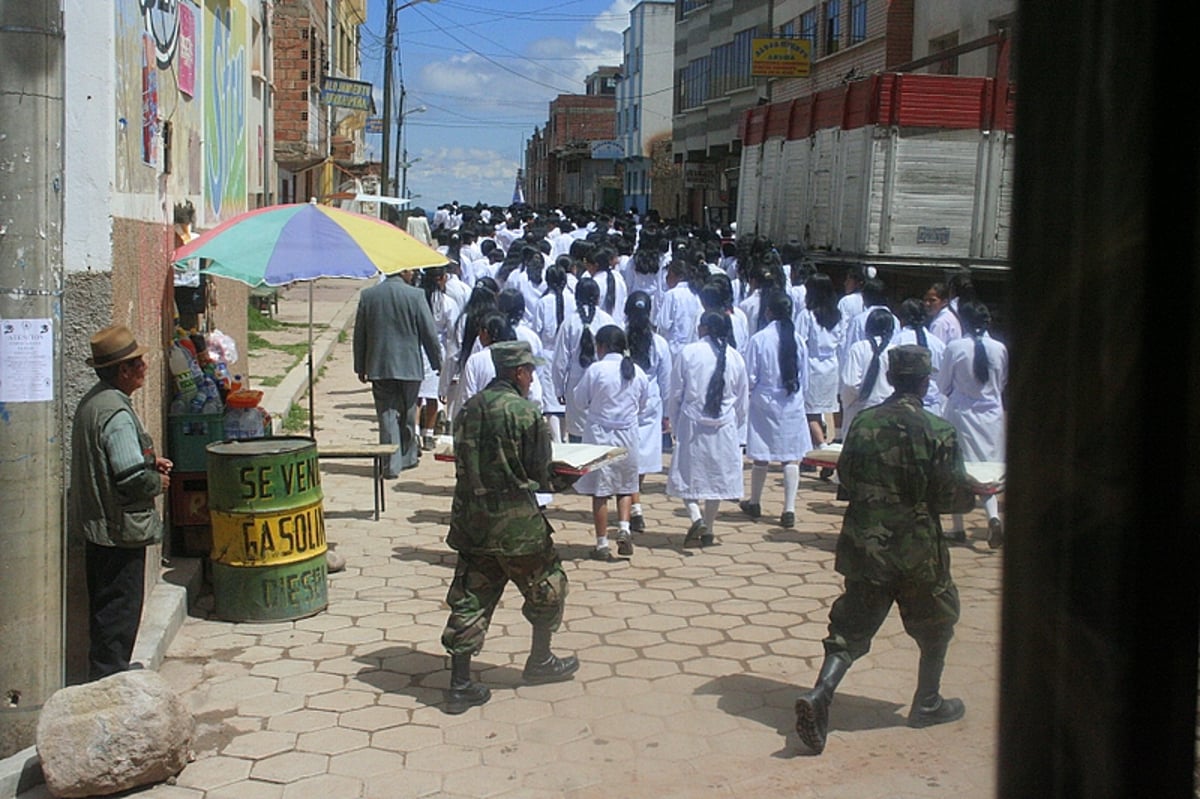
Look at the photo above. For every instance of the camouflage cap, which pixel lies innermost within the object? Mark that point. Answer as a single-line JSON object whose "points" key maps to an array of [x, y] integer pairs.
{"points": [[511, 354], [909, 359]]}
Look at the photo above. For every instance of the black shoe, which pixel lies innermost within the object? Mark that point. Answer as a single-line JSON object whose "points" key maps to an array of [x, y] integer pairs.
{"points": [[995, 534], [460, 699], [695, 533], [555, 669], [812, 719], [788, 519], [708, 540], [938, 711], [826, 473], [956, 536], [751, 509], [602, 554], [624, 546], [637, 523]]}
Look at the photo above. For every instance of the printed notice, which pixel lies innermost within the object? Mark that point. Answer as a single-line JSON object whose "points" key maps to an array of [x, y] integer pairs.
{"points": [[26, 360]]}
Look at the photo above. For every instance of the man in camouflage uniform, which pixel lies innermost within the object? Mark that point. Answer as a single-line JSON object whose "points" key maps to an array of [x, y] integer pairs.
{"points": [[900, 467], [502, 456]]}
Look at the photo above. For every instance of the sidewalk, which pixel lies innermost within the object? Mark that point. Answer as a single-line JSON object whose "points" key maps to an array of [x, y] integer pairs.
{"points": [[691, 660]]}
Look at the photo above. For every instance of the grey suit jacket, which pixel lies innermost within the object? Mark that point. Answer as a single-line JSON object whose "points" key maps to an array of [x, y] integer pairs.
{"points": [[392, 326]]}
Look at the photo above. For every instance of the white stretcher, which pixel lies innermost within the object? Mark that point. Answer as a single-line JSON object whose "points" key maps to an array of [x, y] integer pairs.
{"points": [[986, 477]]}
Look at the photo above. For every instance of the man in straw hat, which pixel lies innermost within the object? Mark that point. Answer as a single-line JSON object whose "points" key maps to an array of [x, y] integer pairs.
{"points": [[115, 476], [502, 456], [901, 467]]}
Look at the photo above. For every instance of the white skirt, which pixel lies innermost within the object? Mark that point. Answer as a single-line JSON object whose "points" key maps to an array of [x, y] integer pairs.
{"points": [[619, 476], [707, 462], [778, 428]]}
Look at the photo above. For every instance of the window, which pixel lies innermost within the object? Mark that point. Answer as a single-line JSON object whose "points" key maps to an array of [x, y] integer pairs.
{"points": [[808, 26], [788, 29], [947, 66], [858, 21], [833, 26]]}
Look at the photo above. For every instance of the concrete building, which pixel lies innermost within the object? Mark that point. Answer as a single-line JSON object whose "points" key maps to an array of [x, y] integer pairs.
{"points": [[574, 160], [644, 94]]}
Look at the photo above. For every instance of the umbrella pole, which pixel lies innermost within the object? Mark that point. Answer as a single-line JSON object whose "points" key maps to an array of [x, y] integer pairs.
{"points": [[312, 429]]}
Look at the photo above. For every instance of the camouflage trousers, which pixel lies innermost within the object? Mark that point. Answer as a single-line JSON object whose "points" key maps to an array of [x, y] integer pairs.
{"points": [[928, 611], [478, 584]]}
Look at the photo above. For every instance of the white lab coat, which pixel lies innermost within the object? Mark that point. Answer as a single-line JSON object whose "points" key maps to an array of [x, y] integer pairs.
{"points": [[854, 371], [611, 408], [824, 377], [678, 316], [707, 462], [777, 429], [975, 409], [565, 369], [650, 424], [933, 400]]}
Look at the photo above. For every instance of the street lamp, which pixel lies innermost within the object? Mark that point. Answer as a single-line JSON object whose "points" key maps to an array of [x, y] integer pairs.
{"points": [[400, 148], [389, 48]]}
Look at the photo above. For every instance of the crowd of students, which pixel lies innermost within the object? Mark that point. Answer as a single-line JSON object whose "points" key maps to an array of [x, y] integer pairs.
{"points": [[734, 346]]}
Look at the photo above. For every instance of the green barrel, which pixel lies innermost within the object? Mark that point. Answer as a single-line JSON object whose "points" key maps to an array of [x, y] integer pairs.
{"points": [[268, 529]]}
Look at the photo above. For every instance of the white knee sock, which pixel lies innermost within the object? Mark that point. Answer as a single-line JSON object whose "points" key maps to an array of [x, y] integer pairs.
{"points": [[555, 423], [992, 506], [791, 484], [693, 509], [710, 513], [758, 479]]}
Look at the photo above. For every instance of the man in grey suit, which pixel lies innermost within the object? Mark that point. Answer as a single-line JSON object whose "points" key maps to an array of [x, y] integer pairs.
{"points": [[393, 325]]}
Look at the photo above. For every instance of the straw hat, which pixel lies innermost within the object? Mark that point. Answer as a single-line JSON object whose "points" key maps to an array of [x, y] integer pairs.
{"points": [[112, 345]]}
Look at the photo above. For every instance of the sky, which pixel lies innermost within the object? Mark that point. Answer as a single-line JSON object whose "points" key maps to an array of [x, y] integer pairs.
{"points": [[485, 72]]}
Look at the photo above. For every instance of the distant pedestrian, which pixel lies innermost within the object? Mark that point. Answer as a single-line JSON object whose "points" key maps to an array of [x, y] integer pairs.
{"points": [[649, 351], [115, 478], [393, 326], [900, 468]]}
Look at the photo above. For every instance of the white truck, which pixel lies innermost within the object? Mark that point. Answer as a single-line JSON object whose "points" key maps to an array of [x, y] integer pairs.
{"points": [[898, 169]]}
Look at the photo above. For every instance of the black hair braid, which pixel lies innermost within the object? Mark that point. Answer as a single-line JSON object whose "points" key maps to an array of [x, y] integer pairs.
{"points": [[878, 343], [718, 334]]}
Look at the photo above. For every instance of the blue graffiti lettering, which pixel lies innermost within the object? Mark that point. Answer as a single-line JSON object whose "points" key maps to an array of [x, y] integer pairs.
{"points": [[226, 141]]}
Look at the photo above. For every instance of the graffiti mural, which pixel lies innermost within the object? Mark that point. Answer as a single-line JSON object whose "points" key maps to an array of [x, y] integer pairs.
{"points": [[224, 90], [161, 18]]}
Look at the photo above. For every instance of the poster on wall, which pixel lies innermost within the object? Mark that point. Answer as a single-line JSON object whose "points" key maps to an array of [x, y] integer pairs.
{"points": [[149, 102], [26, 360], [186, 74]]}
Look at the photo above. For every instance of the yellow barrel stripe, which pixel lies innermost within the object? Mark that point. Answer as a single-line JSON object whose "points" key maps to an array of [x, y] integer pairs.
{"points": [[267, 539]]}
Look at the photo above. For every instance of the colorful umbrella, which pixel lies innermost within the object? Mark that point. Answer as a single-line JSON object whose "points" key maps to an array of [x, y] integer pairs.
{"points": [[282, 244]]}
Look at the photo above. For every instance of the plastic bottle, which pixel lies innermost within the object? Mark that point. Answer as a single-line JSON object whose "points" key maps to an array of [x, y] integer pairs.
{"points": [[185, 383]]}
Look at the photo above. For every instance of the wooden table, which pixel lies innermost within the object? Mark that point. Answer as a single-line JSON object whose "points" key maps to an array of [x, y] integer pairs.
{"points": [[379, 455]]}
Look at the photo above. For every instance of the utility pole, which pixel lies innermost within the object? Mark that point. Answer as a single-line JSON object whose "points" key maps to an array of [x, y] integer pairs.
{"points": [[32, 122], [389, 47]]}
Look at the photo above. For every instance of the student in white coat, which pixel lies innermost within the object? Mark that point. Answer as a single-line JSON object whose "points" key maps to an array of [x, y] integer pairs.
{"points": [[612, 394], [575, 351], [823, 329], [707, 406], [549, 313], [599, 264], [973, 377], [650, 352], [864, 372], [942, 319], [445, 311], [777, 430], [680, 309], [912, 319]]}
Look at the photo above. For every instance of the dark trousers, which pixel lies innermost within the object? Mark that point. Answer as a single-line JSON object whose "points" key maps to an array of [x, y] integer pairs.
{"points": [[929, 613], [478, 584], [396, 407], [116, 580]]}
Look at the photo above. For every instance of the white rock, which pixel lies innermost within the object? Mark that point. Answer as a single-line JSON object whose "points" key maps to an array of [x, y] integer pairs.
{"points": [[114, 734]]}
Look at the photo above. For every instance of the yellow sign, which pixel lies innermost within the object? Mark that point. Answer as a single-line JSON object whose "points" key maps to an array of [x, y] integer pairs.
{"points": [[781, 58], [268, 539]]}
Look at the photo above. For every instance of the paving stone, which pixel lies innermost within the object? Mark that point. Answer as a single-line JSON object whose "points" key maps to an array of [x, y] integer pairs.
{"points": [[289, 767]]}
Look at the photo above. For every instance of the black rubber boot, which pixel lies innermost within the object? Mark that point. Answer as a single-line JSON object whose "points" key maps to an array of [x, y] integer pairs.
{"points": [[812, 708], [544, 666], [464, 693], [929, 707]]}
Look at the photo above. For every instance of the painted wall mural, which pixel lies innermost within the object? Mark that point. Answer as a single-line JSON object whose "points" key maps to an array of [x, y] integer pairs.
{"points": [[226, 71]]}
